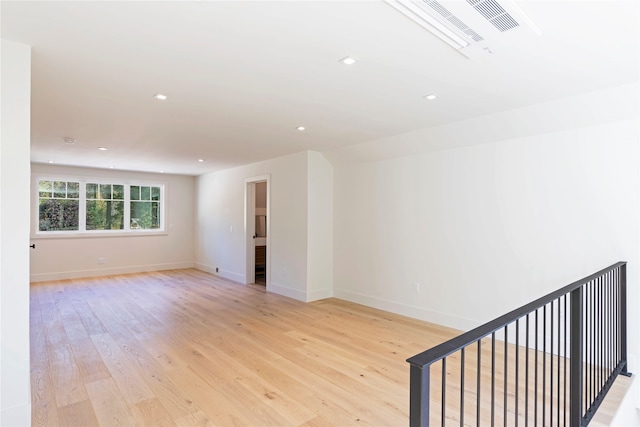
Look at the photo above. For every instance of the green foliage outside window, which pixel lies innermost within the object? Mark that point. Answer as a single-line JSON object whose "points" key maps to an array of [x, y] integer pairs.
{"points": [[144, 207], [59, 205], [105, 207]]}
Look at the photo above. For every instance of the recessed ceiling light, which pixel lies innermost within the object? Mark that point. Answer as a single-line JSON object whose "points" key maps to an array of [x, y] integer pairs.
{"points": [[430, 97], [348, 60], [70, 140], [51, 161], [160, 96], [301, 128], [102, 148], [201, 160], [161, 171], [112, 167]]}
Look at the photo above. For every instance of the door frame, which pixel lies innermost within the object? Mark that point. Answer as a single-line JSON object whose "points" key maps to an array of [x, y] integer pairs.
{"points": [[250, 228]]}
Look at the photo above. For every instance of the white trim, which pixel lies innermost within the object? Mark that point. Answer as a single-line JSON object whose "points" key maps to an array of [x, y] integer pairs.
{"points": [[319, 294], [16, 416], [80, 274], [463, 324], [226, 274], [96, 234], [288, 292]]}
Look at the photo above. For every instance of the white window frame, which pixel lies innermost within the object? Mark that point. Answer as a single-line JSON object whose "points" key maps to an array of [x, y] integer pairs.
{"points": [[82, 231]]}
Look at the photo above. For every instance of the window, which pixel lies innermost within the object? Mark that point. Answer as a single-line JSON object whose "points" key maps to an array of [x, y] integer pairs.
{"points": [[145, 207], [59, 205], [79, 206], [105, 207]]}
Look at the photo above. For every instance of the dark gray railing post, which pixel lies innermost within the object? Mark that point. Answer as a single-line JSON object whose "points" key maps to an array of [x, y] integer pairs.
{"points": [[575, 359], [419, 396], [623, 318]]}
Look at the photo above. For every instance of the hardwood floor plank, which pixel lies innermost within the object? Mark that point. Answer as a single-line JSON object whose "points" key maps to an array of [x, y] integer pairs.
{"points": [[77, 414], [197, 419], [68, 386], [132, 387], [107, 402], [90, 364], [152, 413]]}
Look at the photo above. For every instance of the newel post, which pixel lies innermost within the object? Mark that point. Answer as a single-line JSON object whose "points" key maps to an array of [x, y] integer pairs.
{"points": [[575, 360], [419, 396]]}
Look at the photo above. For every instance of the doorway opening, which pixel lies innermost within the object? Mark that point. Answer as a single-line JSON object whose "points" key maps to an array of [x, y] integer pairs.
{"points": [[257, 231]]}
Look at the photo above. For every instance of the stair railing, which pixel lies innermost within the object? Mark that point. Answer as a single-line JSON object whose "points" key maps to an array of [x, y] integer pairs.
{"points": [[548, 363]]}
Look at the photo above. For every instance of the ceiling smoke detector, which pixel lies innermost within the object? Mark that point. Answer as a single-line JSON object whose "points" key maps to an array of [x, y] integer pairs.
{"points": [[472, 27]]}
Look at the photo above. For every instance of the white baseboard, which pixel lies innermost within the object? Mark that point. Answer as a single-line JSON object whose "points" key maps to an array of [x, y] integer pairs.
{"points": [[234, 277], [408, 310], [319, 294], [287, 292], [18, 416], [81, 274]]}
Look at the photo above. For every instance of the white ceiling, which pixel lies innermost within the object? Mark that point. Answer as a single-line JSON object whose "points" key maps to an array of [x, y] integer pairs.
{"points": [[241, 76]]}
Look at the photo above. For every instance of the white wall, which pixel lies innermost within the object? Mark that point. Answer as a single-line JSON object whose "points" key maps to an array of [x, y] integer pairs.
{"points": [[320, 228], [61, 258], [293, 232], [486, 228], [15, 395]]}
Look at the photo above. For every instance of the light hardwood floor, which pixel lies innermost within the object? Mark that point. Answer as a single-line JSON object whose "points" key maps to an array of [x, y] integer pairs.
{"points": [[185, 348]]}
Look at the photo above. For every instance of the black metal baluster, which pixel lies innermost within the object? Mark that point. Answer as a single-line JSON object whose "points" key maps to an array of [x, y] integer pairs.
{"points": [[493, 378], [478, 383], [517, 367], [526, 376], [612, 322], [535, 384], [551, 367], [593, 350], [462, 387], [566, 337], [601, 320], [618, 320], [559, 361], [587, 379], [444, 392], [506, 367], [544, 363]]}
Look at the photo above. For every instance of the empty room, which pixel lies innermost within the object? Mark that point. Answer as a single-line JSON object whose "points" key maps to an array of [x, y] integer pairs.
{"points": [[320, 213]]}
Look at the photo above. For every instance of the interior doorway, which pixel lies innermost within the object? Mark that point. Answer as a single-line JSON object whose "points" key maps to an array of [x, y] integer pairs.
{"points": [[260, 234], [257, 221]]}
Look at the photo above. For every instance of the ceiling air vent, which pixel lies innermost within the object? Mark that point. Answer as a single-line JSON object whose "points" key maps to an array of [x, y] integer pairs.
{"points": [[472, 27], [454, 20], [494, 13]]}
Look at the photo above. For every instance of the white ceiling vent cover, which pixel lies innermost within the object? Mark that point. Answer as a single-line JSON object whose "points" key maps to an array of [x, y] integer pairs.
{"points": [[494, 13], [472, 27]]}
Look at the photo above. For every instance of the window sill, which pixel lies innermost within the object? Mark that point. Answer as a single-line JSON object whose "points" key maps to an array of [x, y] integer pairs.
{"points": [[94, 234]]}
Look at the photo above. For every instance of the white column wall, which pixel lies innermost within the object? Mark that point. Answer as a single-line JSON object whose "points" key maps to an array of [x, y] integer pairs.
{"points": [[15, 118], [320, 228], [220, 236]]}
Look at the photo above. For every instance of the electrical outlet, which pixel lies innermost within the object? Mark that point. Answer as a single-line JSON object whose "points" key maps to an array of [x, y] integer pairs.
{"points": [[102, 260], [217, 269]]}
